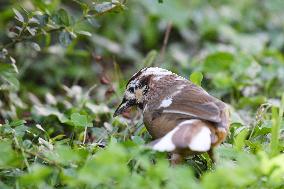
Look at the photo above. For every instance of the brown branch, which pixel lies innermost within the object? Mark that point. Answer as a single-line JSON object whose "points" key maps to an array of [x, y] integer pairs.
{"points": [[165, 43]]}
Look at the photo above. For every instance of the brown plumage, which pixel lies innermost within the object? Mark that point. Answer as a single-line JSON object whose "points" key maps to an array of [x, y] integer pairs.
{"points": [[181, 117]]}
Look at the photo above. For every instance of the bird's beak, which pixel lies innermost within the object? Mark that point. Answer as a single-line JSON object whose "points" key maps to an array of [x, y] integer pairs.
{"points": [[121, 108]]}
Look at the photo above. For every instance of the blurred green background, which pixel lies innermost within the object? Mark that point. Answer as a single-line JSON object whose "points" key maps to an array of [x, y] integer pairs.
{"points": [[64, 65]]}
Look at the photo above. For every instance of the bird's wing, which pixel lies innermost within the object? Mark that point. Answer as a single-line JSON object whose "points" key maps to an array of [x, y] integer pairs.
{"points": [[194, 102]]}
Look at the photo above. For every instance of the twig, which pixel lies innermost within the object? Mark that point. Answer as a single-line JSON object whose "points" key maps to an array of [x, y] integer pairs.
{"points": [[85, 135], [165, 43]]}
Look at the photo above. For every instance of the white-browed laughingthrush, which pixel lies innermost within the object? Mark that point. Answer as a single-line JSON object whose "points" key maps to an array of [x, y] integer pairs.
{"points": [[182, 118]]}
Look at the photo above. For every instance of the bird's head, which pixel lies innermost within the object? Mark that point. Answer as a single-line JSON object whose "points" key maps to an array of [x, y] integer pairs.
{"points": [[138, 87]]}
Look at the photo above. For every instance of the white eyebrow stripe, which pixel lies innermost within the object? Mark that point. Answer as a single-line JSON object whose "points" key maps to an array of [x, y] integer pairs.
{"points": [[155, 70], [159, 72]]}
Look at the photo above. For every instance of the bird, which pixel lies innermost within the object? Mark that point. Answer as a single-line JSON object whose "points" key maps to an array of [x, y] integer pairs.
{"points": [[182, 118]]}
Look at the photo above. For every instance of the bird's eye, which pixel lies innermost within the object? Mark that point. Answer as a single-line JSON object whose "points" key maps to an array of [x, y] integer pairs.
{"points": [[131, 89]]}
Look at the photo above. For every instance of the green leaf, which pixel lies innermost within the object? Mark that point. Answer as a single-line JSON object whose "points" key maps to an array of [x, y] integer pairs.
{"points": [[9, 157], [273, 169], [138, 140], [93, 21], [217, 62], [80, 120], [8, 77], [240, 174], [111, 163], [19, 16], [32, 31], [47, 111], [86, 33], [108, 6], [84, 6], [20, 131], [43, 19], [64, 18], [196, 78], [65, 38], [223, 80], [4, 186], [17, 123], [35, 46], [38, 174], [103, 7], [66, 155], [239, 141]]}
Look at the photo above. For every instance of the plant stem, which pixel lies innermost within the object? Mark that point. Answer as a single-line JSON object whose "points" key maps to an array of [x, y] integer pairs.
{"points": [[23, 153], [275, 132], [85, 135]]}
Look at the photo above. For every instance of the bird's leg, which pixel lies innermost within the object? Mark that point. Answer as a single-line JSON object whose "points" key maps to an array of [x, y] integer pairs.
{"points": [[176, 159]]}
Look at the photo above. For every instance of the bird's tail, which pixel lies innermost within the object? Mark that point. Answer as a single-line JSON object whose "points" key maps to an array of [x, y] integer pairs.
{"points": [[195, 135]]}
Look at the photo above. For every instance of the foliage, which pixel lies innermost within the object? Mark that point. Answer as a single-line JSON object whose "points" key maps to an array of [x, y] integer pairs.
{"points": [[63, 68]]}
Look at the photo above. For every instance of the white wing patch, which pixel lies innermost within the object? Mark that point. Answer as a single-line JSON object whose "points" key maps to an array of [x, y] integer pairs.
{"points": [[201, 142], [169, 100], [166, 144], [166, 102]]}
